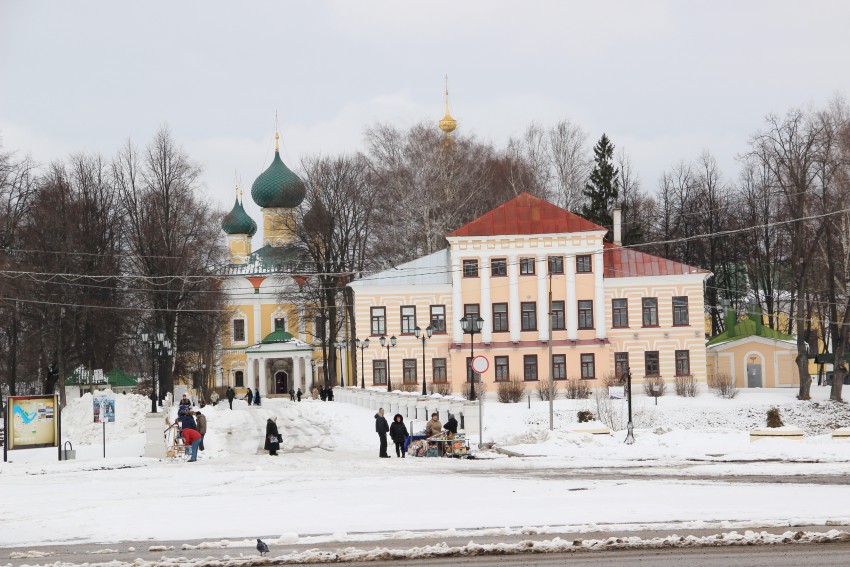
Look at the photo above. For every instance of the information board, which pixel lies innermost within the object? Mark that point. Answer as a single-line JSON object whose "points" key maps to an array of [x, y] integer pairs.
{"points": [[104, 409], [32, 422]]}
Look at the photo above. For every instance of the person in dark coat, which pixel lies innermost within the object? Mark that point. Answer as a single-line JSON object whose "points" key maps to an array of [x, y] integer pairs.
{"points": [[323, 393], [230, 395], [298, 394], [257, 397], [291, 395], [451, 425], [272, 436], [398, 433], [330, 394], [201, 420], [186, 420], [382, 427], [249, 397]]}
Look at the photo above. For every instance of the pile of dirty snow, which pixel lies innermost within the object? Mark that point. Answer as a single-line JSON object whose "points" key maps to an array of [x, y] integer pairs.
{"points": [[79, 427]]}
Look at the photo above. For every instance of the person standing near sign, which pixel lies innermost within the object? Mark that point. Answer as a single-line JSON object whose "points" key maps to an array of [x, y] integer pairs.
{"points": [[201, 420], [192, 439]]}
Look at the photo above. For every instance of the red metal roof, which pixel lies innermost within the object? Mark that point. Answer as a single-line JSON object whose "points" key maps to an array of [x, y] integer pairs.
{"points": [[626, 263], [526, 214]]}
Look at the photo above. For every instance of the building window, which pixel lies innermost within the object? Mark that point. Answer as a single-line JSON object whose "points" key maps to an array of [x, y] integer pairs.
{"points": [[500, 317], [621, 364], [584, 265], [239, 330], [438, 370], [651, 366], [279, 323], [529, 367], [588, 366], [620, 312], [683, 363], [470, 373], [556, 264], [379, 372], [529, 316], [499, 267], [585, 314], [650, 311], [408, 319], [239, 376], [409, 371], [559, 366], [558, 321], [526, 266], [379, 320], [470, 268], [471, 310], [503, 373], [438, 318], [680, 310]]}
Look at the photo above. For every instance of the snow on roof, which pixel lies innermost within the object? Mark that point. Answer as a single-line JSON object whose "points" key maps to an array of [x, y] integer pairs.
{"points": [[427, 270]]}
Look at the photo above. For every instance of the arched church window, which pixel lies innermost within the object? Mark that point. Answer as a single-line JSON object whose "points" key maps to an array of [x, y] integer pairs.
{"points": [[240, 378]]}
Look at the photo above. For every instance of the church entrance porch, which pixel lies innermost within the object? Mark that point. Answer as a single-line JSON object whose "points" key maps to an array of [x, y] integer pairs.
{"points": [[280, 366], [281, 382]]}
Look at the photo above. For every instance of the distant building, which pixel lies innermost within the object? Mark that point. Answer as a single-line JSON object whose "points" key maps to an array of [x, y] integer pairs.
{"points": [[613, 308]]}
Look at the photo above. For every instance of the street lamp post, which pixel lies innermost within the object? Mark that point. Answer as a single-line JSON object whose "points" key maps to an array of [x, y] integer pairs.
{"points": [[313, 372], [471, 326], [429, 330], [159, 345], [362, 346], [630, 436], [340, 346], [388, 344]]}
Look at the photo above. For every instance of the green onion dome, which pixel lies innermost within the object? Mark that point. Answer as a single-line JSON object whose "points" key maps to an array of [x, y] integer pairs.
{"points": [[237, 221], [278, 336], [278, 186]]}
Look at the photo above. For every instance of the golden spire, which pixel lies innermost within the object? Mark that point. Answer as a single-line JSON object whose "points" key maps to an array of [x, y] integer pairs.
{"points": [[448, 124], [276, 133]]}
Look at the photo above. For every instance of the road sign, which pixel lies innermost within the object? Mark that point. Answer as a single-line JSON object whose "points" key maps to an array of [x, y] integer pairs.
{"points": [[480, 364]]}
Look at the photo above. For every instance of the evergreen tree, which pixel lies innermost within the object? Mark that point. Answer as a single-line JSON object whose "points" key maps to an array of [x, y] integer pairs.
{"points": [[603, 188]]}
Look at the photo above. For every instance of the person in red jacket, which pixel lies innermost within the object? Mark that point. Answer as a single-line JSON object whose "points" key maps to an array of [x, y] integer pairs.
{"points": [[192, 438]]}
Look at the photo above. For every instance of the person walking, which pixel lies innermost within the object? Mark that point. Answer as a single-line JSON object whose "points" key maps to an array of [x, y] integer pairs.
{"points": [[330, 394], [398, 433], [323, 393], [382, 428], [291, 395], [257, 397], [214, 398], [230, 395], [201, 420], [272, 436], [249, 397], [451, 425], [192, 439], [298, 394]]}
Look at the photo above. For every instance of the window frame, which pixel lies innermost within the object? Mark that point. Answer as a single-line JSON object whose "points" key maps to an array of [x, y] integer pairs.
{"points": [[648, 356], [526, 263], [618, 363], [562, 362], [441, 377], [650, 303], [588, 366], [556, 270], [244, 323], [679, 309], [619, 313], [434, 329], [410, 328], [499, 368], [467, 312], [583, 315], [470, 373], [581, 259], [506, 318], [373, 318], [379, 364], [239, 379], [406, 365], [562, 317], [468, 268], [529, 361], [499, 265], [687, 358], [532, 317]]}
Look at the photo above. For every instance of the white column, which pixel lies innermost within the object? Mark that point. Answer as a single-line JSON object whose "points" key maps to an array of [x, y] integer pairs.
{"points": [[264, 386], [542, 300], [457, 302], [250, 373], [513, 306], [296, 373], [258, 328], [572, 305], [599, 296], [302, 325], [308, 375], [486, 305]]}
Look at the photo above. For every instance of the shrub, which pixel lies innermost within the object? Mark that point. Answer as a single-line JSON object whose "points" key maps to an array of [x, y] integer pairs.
{"points": [[577, 389], [442, 389], [584, 416], [467, 387], [510, 391], [655, 381], [611, 379], [543, 389], [723, 385], [774, 418], [408, 387], [686, 386]]}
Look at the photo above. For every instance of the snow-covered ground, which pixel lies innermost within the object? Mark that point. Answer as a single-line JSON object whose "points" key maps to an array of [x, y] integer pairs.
{"points": [[329, 480]]}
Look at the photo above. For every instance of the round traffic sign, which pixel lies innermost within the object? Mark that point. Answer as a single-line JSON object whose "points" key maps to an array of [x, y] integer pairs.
{"points": [[480, 364]]}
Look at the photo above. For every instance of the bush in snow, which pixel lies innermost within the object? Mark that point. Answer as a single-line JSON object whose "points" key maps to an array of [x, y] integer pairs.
{"points": [[442, 389], [611, 379], [774, 418], [510, 391], [656, 381], [723, 385], [466, 390], [686, 386], [584, 416], [577, 389], [408, 387], [543, 390]]}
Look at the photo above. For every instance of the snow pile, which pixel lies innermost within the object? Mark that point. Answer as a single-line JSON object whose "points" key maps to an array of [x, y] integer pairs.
{"points": [[78, 424]]}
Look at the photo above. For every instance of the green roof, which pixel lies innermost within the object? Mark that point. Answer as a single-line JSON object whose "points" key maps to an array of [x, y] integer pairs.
{"points": [[278, 186], [278, 336], [749, 327], [115, 377], [237, 221]]}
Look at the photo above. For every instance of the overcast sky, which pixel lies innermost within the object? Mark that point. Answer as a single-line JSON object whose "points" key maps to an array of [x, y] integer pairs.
{"points": [[665, 80]]}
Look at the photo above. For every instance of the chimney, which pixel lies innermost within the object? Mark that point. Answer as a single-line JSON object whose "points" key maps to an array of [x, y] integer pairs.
{"points": [[618, 228]]}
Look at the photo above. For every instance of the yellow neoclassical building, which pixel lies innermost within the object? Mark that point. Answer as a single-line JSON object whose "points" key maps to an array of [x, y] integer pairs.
{"points": [[268, 340]]}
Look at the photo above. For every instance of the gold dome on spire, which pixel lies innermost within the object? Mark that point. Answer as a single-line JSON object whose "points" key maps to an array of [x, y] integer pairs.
{"points": [[448, 124]]}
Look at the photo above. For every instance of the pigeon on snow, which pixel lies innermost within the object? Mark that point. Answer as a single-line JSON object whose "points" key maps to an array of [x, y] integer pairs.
{"points": [[262, 547]]}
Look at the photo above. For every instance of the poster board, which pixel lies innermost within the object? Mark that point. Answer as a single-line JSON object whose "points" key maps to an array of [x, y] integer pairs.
{"points": [[103, 409], [32, 422]]}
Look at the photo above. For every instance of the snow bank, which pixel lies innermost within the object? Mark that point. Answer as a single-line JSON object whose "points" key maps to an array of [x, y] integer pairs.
{"points": [[78, 424]]}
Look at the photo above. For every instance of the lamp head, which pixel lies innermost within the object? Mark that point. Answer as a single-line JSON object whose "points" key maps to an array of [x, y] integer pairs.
{"points": [[464, 324], [429, 330], [479, 324], [383, 340], [160, 336], [366, 343], [393, 340], [417, 331], [357, 343], [145, 337]]}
